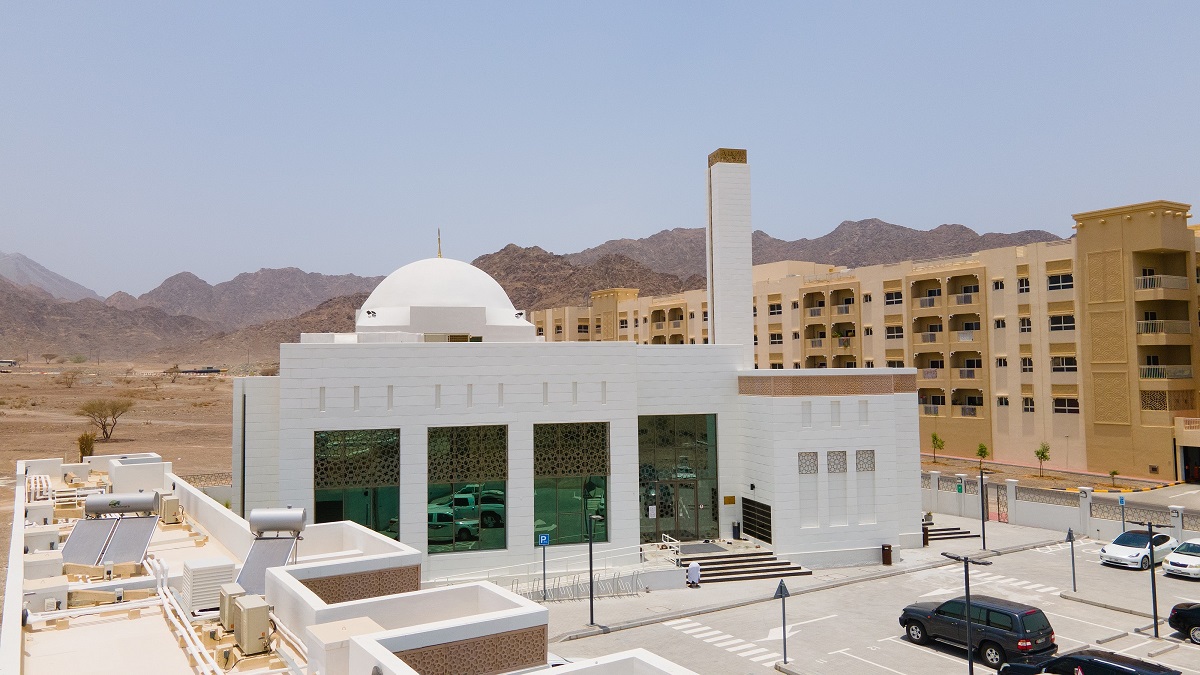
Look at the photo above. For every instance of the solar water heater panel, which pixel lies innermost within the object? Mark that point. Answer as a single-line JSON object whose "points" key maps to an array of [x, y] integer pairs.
{"points": [[130, 540], [87, 540], [265, 552]]}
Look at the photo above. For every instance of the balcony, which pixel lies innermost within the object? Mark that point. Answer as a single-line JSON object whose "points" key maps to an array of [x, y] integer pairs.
{"points": [[660, 325], [968, 373], [843, 310], [1165, 372], [816, 311], [931, 302], [964, 299], [677, 324], [1164, 332], [844, 342], [927, 338], [964, 336], [933, 373], [1161, 287], [816, 343], [928, 410], [970, 411]]}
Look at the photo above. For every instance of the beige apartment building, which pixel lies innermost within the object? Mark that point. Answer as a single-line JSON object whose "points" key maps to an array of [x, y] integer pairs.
{"points": [[1086, 344]]}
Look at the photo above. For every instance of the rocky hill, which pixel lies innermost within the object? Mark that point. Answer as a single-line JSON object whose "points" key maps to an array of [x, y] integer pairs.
{"points": [[247, 299], [853, 243], [34, 325], [23, 272], [535, 279]]}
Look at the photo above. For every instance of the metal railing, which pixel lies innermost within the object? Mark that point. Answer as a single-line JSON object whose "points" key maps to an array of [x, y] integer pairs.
{"points": [[963, 298], [968, 411], [929, 301], [843, 342], [966, 373], [844, 309], [930, 410], [1171, 326], [1111, 510], [816, 343], [1191, 423], [1041, 496], [816, 311], [1164, 372], [931, 337], [965, 336], [677, 324], [659, 325], [931, 373], [1160, 281]]}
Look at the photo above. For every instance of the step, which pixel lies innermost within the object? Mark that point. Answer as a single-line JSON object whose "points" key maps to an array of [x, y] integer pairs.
{"points": [[724, 557], [744, 566], [795, 572], [705, 574], [959, 535]]}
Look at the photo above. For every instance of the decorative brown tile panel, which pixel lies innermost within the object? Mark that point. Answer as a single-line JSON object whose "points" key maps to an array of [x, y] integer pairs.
{"points": [[362, 585], [826, 385], [488, 655]]}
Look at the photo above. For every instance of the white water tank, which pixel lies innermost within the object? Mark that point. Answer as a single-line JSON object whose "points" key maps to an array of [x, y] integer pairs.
{"points": [[123, 502], [276, 520]]}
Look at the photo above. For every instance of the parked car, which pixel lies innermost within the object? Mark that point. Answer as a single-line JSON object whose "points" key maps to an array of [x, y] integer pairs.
{"points": [[1130, 549], [444, 527], [1091, 662], [487, 506], [1185, 618], [1184, 560], [1001, 630]]}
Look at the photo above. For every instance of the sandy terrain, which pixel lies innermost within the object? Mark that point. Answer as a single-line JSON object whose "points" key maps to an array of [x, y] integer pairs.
{"points": [[186, 421], [1030, 477]]}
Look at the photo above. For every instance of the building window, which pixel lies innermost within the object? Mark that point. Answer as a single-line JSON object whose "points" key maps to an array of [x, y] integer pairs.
{"points": [[467, 486], [754, 311], [756, 340], [691, 315], [795, 304], [705, 340], [1060, 282], [893, 298], [356, 477], [895, 364], [623, 323], [1064, 322], [796, 365], [1022, 284], [775, 309], [971, 326], [999, 323], [997, 284], [706, 315], [850, 364], [776, 366], [1026, 364], [868, 331], [1026, 325], [541, 330], [558, 330], [795, 335], [1001, 361], [571, 469], [893, 332], [1002, 401], [776, 338], [635, 322], [1063, 364], [866, 297], [1069, 406], [1027, 404], [582, 329]]}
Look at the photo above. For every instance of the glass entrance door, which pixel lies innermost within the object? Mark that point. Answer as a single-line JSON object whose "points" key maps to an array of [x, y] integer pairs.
{"points": [[677, 509], [1191, 464]]}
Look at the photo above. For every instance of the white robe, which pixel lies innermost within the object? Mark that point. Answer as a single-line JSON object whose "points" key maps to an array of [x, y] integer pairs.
{"points": [[693, 573]]}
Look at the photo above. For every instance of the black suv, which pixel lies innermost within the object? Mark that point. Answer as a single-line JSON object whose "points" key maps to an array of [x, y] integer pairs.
{"points": [[1091, 662], [1001, 630], [1185, 618]]}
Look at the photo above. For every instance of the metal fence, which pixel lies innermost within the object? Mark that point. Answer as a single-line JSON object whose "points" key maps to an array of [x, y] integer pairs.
{"points": [[209, 479], [1191, 521], [925, 481], [1041, 496], [947, 484], [1106, 510]]}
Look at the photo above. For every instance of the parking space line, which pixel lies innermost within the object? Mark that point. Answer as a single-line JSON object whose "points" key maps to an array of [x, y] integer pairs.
{"points": [[1064, 616], [724, 636], [728, 642], [846, 652], [704, 635], [1140, 644], [820, 618], [934, 652]]}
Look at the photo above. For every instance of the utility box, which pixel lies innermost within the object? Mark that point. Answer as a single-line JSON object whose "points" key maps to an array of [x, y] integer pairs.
{"points": [[229, 594], [251, 624], [42, 538], [168, 509], [43, 564], [40, 513]]}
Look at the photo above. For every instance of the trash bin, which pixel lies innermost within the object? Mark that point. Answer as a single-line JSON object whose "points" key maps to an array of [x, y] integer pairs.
{"points": [[924, 535], [887, 554], [737, 530]]}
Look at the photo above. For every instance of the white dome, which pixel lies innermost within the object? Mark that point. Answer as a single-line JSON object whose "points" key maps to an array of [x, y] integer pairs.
{"points": [[436, 283]]}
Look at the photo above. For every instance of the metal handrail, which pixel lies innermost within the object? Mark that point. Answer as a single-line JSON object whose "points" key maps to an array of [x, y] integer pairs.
{"points": [[1169, 326], [1160, 281], [965, 336], [964, 298], [816, 311], [1164, 372]]}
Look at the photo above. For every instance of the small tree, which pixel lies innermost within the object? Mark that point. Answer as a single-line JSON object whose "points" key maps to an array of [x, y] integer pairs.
{"points": [[1113, 475], [68, 378], [87, 444], [1042, 454], [103, 413], [173, 371], [938, 443], [49, 357], [982, 453]]}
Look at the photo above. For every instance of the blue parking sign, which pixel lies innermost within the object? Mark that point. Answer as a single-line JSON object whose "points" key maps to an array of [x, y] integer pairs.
{"points": [[1121, 500], [543, 540]]}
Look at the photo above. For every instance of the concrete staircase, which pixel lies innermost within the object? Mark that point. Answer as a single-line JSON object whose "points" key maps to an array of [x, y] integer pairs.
{"points": [[939, 533], [731, 566]]}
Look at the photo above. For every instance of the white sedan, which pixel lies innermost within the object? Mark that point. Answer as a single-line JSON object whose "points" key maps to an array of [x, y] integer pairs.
{"points": [[1185, 561], [1131, 550]]}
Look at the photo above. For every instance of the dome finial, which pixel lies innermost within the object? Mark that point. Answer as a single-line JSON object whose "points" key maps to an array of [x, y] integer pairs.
{"points": [[439, 242]]}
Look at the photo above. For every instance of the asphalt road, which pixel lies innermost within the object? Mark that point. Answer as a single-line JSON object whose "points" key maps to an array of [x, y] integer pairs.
{"points": [[1186, 495], [854, 629]]}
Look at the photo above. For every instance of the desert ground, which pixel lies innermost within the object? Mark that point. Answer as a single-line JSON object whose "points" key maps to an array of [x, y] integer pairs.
{"points": [[186, 420]]}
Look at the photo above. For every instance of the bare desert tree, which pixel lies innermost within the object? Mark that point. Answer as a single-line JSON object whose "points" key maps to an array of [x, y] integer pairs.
{"points": [[49, 357], [103, 413], [68, 378]]}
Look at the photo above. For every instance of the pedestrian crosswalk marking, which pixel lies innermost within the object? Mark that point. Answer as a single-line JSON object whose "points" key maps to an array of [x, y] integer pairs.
{"points": [[723, 636], [717, 638], [727, 642], [681, 626], [674, 622], [764, 657], [696, 630], [707, 634], [748, 645]]}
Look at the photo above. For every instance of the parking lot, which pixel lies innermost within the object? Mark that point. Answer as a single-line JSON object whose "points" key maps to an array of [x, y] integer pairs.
{"points": [[854, 628]]}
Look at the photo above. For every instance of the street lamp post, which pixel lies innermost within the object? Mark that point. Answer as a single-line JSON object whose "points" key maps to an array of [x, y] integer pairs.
{"points": [[983, 515], [967, 562], [1153, 582], [592, 575], [1071, 538]]}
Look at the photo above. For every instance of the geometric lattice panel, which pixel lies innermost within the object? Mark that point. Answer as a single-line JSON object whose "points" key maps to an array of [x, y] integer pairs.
{"points": [[864, 460], [570, 449], [1182, 399], [462, 454], [1105, 278], [361, 585], [1110, 398], [808, 462], [837, 461], [496, 653], [1108, 337], [825, 385], [356, 458], [1154, 400]]}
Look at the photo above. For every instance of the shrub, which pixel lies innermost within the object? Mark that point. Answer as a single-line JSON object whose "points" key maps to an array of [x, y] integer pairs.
{"points": [[87, 444]]}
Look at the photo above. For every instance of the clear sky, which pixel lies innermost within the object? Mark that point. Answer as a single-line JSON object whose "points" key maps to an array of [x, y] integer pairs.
{"points": [[138, 140]]}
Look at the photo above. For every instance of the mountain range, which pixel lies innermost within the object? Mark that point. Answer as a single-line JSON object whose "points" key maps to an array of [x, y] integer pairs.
{"points": [[186, 319]]}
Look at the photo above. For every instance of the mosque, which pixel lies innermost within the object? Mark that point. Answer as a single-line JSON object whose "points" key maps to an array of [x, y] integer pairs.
{"points": [[446, 422]]}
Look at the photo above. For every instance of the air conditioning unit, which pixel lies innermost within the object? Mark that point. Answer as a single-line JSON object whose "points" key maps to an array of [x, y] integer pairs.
{"points": [[202, 581], [168, 509], [229, 593], [251, 624]]}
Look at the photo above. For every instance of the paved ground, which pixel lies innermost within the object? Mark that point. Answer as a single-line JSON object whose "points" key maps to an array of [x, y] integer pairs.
{"points": [[1186, 495], [853, 628]]}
